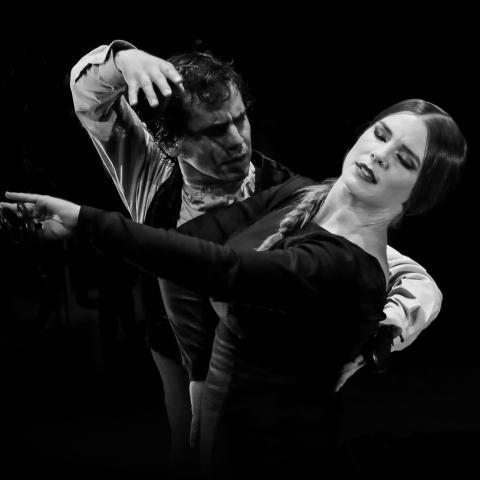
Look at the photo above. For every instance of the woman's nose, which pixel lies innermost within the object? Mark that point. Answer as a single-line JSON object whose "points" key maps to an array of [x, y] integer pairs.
{"points": [[379, 158]]}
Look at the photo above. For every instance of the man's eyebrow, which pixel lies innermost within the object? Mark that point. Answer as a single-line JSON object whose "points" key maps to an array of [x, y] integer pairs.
{"points": [[212, 127], [223, 123], [404, 147]]}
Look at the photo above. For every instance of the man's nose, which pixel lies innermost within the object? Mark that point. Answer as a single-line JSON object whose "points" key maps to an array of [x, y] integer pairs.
{"points": [[233, 140]]}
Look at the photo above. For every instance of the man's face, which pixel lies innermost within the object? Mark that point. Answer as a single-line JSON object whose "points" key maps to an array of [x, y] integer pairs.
{"points": [[218, 144]]}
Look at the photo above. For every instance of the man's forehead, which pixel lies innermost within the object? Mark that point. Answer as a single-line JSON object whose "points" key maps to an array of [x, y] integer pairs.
{"points": [[219, 111]]}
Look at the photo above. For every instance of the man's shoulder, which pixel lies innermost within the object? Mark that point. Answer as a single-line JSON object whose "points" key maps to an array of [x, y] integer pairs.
{"points": [[286, 192], [269, 172], [260, 160]]}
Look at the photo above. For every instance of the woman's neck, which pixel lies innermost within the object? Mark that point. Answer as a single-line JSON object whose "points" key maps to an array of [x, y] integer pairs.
{"points": [[344, 215]]}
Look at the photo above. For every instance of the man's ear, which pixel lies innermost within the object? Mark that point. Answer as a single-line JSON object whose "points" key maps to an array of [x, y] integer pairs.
{"points": [[172, 150], [172, 146]]}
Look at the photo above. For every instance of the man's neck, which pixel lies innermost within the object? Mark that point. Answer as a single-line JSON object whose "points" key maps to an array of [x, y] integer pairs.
{"points": [[197, 179]]}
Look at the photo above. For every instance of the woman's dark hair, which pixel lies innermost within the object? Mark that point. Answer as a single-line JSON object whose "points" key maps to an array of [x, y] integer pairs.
{"points": [[445, 153]]}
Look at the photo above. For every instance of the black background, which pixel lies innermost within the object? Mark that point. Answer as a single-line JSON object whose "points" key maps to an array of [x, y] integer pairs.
{"points": [[75, 402]]}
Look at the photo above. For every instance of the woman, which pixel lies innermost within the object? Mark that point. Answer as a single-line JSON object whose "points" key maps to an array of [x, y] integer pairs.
{"points": [[299, 284]]}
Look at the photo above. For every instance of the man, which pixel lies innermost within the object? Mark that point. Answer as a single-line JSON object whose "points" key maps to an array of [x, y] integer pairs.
{"points": [[200, 158]]}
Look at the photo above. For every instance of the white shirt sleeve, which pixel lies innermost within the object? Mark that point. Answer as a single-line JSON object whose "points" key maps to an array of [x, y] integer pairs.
{"points": [[414, 299], [127, 150]]}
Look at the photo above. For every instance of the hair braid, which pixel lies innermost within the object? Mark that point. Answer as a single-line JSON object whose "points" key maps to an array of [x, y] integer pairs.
{"points": [[309, 204]]}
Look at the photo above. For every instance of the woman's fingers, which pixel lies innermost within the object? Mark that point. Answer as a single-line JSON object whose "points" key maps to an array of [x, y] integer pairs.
{"points": [[9, 206], [15, 207], [22, 197]]}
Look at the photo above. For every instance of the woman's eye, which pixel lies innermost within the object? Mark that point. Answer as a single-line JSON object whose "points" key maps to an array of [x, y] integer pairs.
{"points": [[406, 163], [378, 133]]}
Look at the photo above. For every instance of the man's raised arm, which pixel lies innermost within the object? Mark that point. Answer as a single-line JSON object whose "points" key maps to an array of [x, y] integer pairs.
{"points": [[126, 148]]}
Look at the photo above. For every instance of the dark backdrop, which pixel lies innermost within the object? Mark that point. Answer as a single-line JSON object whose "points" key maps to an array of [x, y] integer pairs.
{"points": [[80, 392]]}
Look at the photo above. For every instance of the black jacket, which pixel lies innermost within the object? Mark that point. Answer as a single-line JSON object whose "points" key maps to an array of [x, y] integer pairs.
{"points": [[164, 212], [315, 288]]}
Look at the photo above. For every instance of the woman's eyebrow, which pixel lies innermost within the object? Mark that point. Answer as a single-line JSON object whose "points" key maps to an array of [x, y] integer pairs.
{"points": [[403, 146]]}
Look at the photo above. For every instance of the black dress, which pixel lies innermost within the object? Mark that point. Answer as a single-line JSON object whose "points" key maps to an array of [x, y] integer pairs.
{"points": [[290, 318]]}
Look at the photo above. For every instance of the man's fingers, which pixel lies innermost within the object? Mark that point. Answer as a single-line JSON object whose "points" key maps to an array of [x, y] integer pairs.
{"points": [[150, 94], [133, 93], [22, 197], [173, 76], [162, 84], [180, 86]]}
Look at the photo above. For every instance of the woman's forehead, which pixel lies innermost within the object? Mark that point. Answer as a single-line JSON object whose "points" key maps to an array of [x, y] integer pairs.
{"points": [[409, 129]]}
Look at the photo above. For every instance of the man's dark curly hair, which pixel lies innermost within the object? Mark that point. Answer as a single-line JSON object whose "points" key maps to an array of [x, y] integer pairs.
{"points": [[207, 80]]}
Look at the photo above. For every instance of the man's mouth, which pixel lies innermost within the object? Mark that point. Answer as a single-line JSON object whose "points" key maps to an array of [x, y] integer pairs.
{"points": [[237, 158], [365, 172]]}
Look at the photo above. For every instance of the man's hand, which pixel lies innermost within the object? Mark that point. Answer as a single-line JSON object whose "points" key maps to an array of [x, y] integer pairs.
{"points": [[58, 218], [143, 71]]}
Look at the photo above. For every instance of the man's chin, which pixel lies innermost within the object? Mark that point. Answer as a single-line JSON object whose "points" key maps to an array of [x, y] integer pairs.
{"points": [[235, 172]]}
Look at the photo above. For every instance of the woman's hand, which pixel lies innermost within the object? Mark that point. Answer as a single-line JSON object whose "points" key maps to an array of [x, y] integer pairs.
{"points": [[58, 218]]}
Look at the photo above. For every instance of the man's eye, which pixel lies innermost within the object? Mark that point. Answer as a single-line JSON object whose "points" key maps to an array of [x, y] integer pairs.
{"points": [[215, 130]]}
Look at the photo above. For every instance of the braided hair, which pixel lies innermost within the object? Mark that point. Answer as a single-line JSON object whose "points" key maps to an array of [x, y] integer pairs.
{"points": [[445, 155], [309, 202]]}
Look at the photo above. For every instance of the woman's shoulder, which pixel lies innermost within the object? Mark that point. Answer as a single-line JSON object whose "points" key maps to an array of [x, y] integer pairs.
{"points": [[346, 260]]}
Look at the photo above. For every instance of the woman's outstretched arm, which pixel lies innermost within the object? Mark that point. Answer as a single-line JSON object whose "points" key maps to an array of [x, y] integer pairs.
{"points": [[280, 278]]}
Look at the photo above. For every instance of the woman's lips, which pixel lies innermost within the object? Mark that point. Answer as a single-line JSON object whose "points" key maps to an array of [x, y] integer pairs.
{"points": [[365, 172]]}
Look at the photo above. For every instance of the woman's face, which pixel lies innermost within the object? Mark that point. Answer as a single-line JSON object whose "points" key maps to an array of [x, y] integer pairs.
{"points": [[382, 167]]}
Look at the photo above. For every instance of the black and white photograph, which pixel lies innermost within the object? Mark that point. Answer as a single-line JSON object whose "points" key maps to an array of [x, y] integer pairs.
{"points": [[239, 245]]}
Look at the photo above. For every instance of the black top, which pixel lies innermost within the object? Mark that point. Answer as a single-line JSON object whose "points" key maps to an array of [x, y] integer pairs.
{"points": [[180, 305], [290, 318], [311, 271]]}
